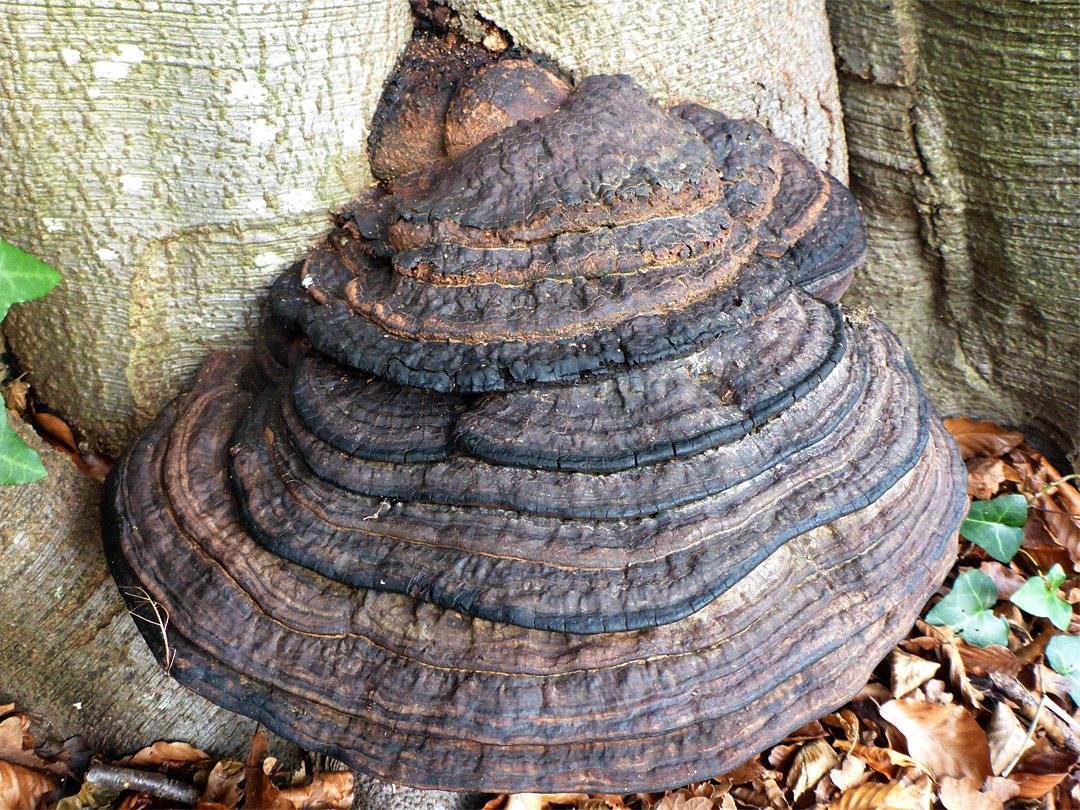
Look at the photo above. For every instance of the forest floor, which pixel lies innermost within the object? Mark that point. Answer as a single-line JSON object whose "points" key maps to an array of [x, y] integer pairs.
{"points": [[975, 710]]}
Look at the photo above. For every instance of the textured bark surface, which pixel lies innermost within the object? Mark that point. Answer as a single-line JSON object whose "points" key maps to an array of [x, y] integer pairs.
{"points": [[168, 161], [71, 653], [961, 121]]}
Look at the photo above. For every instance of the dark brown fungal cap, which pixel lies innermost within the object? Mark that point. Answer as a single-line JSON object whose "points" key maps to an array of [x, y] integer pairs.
{"points": [[579, 479]]}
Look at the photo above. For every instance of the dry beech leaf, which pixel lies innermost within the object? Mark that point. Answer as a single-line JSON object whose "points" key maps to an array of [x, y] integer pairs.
{"points": [[1003, 788], [851, 773], [259, 791], [886, 761], [811, 731], [890, 796], [677, 801], [22, 788], [815, 759], [946, 739], [223, 785], [171, 754], [1005, 579], [58, 431], [748, 772], [907, 672], [1039, 774], [1006, 737], [333, 789], [964, 794], [13, 733], [982, 438], [986, 475]]}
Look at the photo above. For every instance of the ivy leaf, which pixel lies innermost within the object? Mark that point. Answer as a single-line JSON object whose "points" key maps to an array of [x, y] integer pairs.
{"points": [[22, 277], [1063, 656], [1038, 596], [994, 525], [18, 463], [967, 610]]}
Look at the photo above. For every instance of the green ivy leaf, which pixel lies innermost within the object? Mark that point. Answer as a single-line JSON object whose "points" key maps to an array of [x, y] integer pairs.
{"points": [[22, 277], [1038, 596], [18, 463], [1063, 656], [995, 525], [967, 610]]}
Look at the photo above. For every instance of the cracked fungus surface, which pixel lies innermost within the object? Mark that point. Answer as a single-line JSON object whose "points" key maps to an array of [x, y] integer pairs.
{"points": [[559, 466]]}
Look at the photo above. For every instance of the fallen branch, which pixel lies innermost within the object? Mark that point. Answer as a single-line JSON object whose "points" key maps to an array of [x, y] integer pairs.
{"points": [[153, 784]]}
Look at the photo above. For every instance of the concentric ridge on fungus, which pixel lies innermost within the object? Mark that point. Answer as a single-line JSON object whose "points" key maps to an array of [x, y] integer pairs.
{"points": [[561, 468]]}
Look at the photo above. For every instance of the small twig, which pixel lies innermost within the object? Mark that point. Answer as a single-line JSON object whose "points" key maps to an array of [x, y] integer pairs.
{"points": [[157, 785], [1055, 484], [160, 620]]}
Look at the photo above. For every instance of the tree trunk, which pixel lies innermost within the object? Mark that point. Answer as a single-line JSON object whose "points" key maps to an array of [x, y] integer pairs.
{"points": [[169, 163], [961, 122], [169, 160]]}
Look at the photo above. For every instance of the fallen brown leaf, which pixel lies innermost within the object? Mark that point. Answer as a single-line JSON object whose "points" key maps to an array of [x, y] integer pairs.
{"points": [[1007, 580], [749, 771], [982, 438], [173, 755], [964, 794], [851, 773], [22, 788], [223, 785], [946, 739], [885, 761], [815, 759], [908, 672], [890, 796], [259, 792], [1006, 737], [1039, 774], [13, 733], [333, 789], [986, 475]]}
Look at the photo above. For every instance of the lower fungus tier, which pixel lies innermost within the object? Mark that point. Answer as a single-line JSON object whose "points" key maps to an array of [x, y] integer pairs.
{"points": [[678, 633]]}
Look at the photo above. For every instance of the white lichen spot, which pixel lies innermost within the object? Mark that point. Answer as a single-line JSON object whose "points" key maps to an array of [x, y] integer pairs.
{"points": [[107, 255], [262, 131], [130, 183], [268, 260], [111, 70], [354, 132], [52, 224], [118, 64], [257, 205], [295, 201], [70, 56], [130, 54], [93, 92], [247, 92]]}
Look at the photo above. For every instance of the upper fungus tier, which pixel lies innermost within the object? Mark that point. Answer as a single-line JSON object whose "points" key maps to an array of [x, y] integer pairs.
{"points": [[562, 468], [607, 232]]}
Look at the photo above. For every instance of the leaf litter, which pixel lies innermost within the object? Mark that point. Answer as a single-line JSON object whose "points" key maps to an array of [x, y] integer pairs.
{"points": [[942, 725]]}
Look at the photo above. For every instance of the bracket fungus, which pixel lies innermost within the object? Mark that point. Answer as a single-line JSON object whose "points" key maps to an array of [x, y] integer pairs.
{"points": [[559, 467]]}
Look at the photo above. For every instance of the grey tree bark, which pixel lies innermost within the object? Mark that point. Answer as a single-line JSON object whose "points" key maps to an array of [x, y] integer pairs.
{"points": [[961, 121], [169, 159]]}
